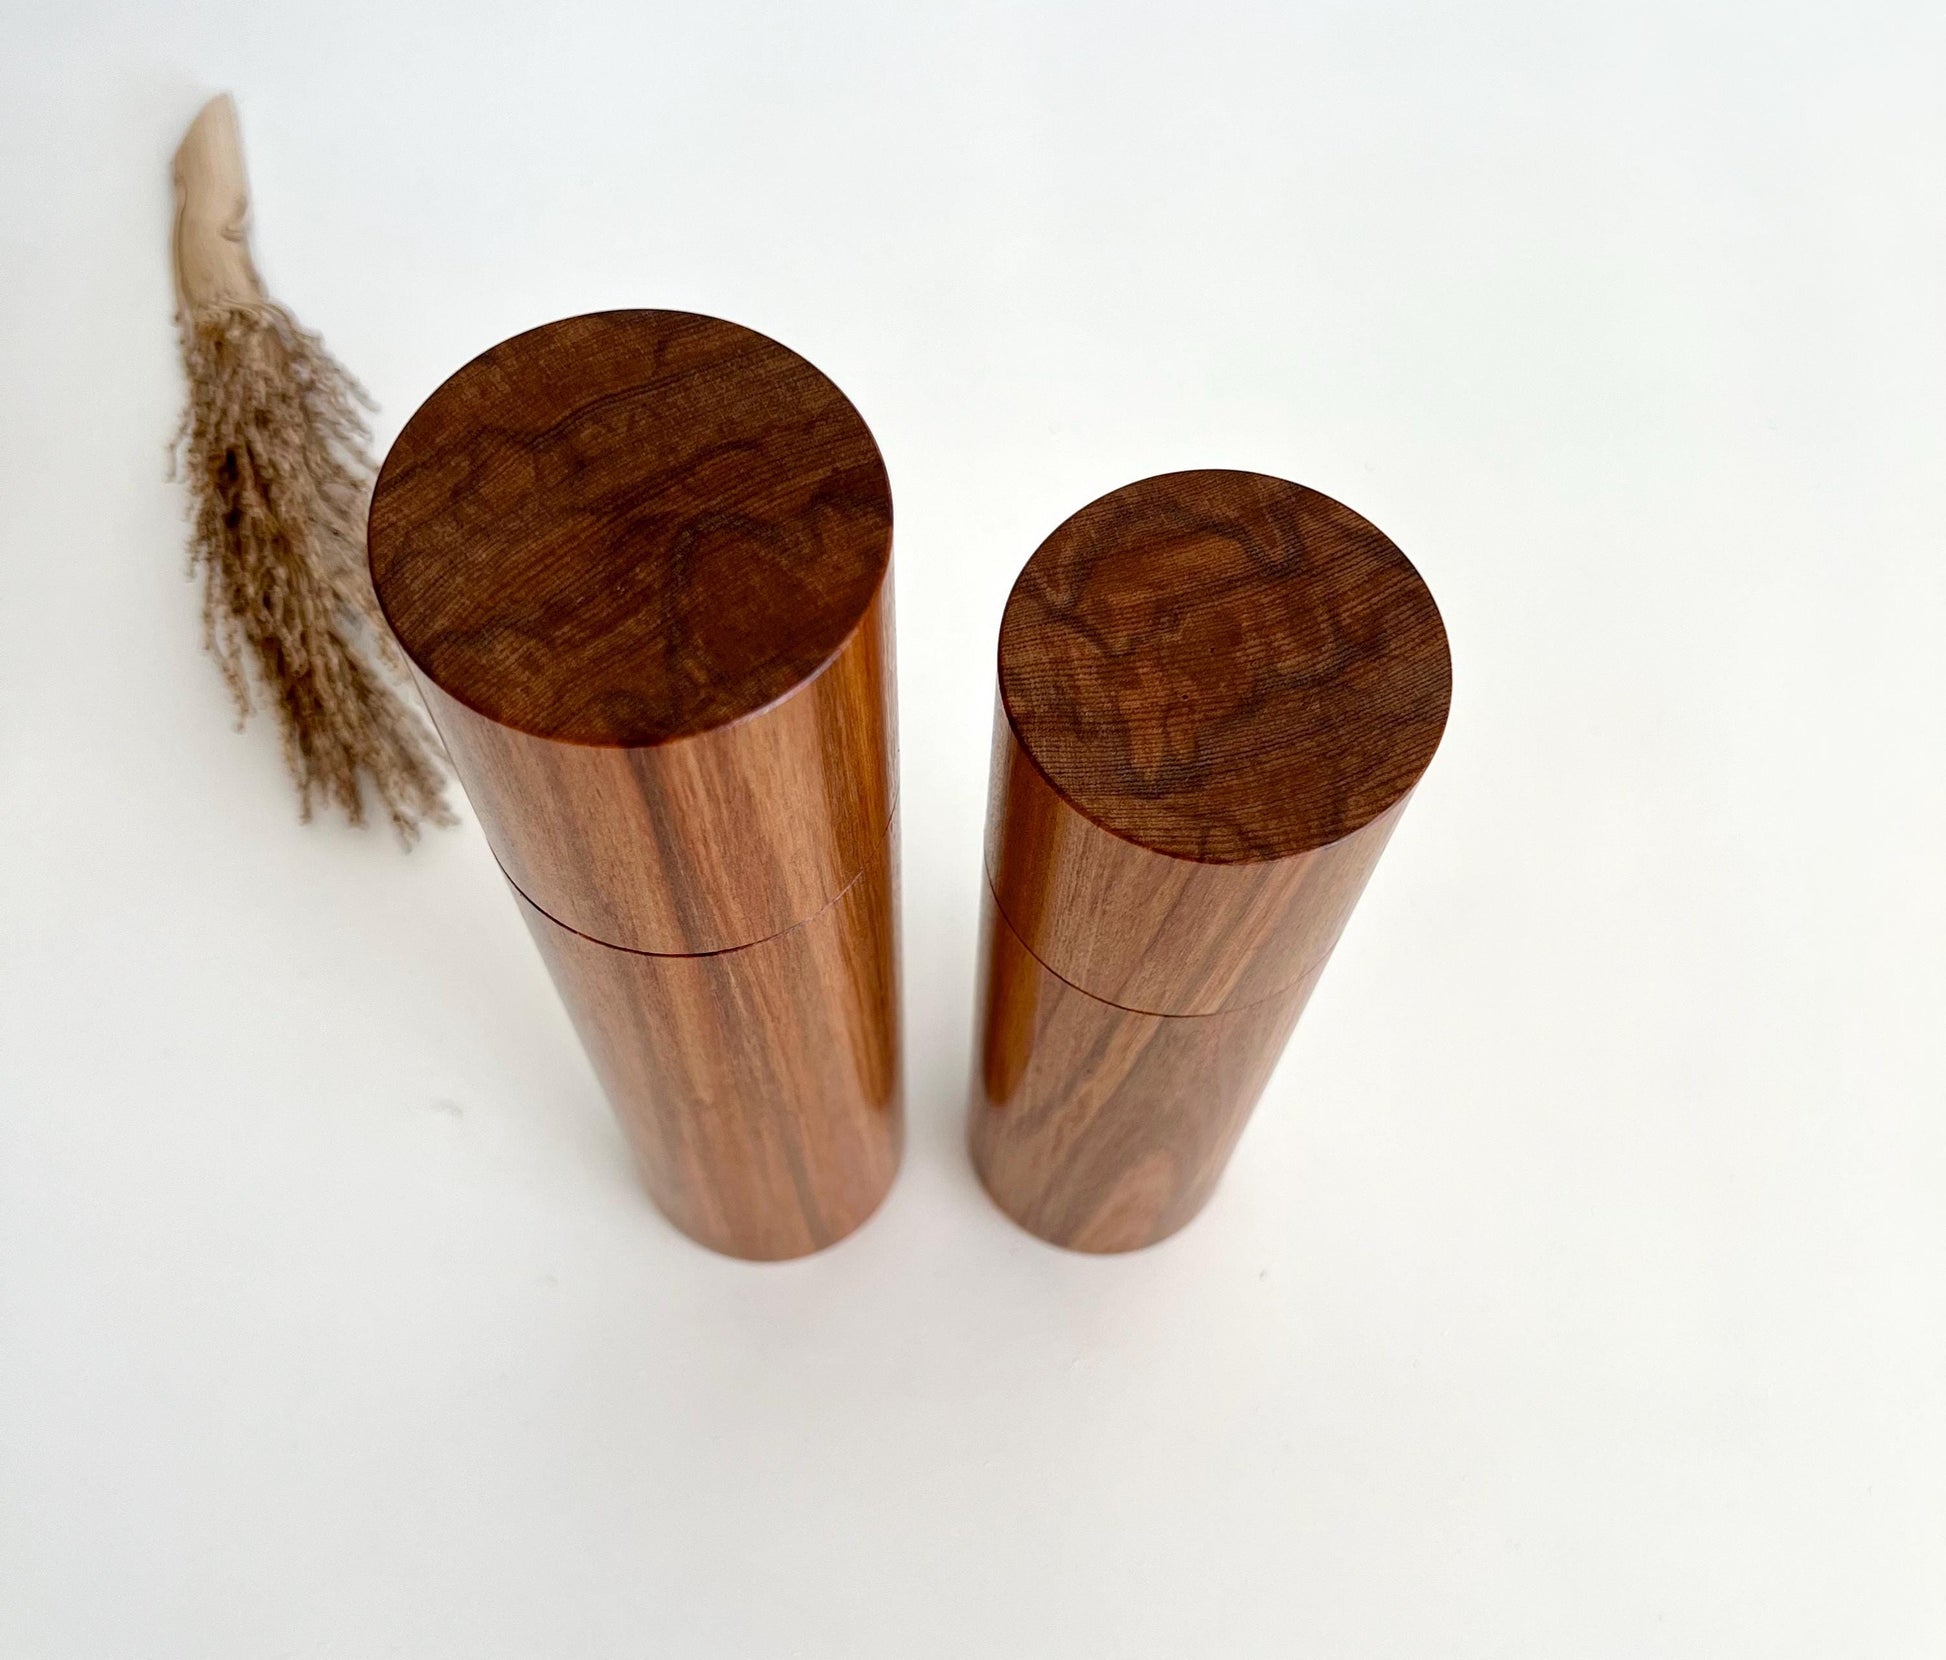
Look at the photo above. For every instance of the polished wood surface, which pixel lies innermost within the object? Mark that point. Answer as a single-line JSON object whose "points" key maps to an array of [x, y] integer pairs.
{"points": [[640, 562], [705, 844], [1217, 692], [760, 1088], [1154, 933], [630, 527], [1224, 667], [1100, 1128]]}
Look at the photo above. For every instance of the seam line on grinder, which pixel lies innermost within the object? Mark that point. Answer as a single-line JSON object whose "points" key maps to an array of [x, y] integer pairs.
{"points": [[1153, 1014], [866, 869]]}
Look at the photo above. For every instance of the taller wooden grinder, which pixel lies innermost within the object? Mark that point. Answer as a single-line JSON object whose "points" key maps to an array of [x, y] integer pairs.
{"points": [[641, 564]]}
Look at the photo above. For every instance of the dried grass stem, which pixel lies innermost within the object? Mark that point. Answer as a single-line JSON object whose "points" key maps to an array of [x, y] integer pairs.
{"points": [[274, 445]]}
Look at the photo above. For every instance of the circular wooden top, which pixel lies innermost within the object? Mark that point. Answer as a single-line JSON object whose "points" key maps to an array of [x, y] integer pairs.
{"points": [[1224, 667], [629, 527]]}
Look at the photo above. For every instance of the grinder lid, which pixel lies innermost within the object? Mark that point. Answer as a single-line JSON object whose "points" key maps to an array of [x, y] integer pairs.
{"points": [[640, 563], [1224, 667], [629, 527]]}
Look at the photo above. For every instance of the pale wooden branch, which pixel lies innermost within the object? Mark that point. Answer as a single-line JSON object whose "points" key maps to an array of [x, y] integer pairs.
{"points": [[212, 247]]}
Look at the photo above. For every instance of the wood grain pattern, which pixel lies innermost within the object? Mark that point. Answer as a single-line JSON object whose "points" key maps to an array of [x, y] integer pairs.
{"points": [[703, 844], [760, 1088], [1100, 1128], [1224, 667], [629, 527], [1153, 933], [640, 563], [1217, 692]]}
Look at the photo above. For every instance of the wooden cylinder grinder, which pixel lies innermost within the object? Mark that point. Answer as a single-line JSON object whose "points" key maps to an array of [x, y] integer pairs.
{"points": [[1217, 691], [640, 562]]}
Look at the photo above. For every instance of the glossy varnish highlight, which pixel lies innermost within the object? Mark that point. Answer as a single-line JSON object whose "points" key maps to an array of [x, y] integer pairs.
{"points": [[759, 1088], [640, 563], [1217, 691], [1103, 1128]]}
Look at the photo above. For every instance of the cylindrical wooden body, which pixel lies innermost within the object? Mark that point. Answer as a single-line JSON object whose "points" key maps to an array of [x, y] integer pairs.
{"points": [[1217, 691], [758, 1087], [640, 565]]}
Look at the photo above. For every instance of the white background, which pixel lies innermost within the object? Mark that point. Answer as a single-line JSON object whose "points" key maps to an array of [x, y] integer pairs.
{"points": [[1580, 1288]]}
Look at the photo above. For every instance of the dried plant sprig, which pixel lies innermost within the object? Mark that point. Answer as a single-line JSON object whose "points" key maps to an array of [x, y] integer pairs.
{"points": [[275, 449]]}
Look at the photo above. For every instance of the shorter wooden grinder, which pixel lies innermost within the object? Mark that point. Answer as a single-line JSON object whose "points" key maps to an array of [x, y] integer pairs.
{"points": [[1217, 691], [641, 564]]}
